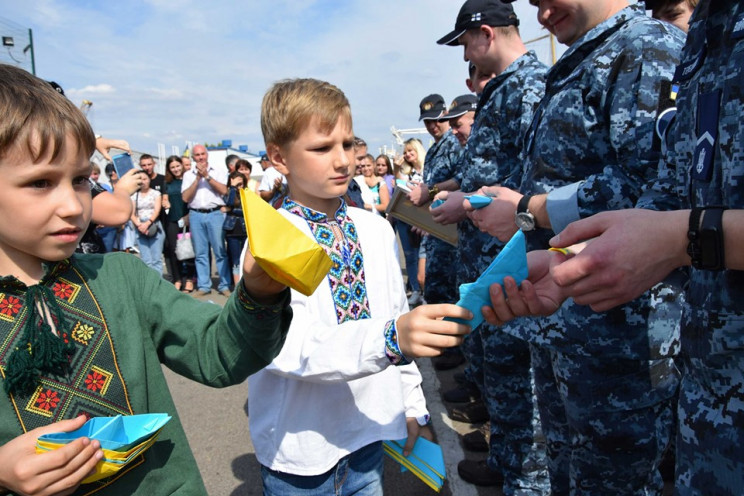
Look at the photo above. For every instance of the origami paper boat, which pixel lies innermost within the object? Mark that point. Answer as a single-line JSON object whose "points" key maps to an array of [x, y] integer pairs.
{"points": [[287, 254], [511, 261], [479, 201], [119, 433], [122, 438]]}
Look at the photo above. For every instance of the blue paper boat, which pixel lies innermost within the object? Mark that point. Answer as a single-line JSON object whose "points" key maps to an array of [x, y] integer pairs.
{"points": [[479, 201], [119, 433]]}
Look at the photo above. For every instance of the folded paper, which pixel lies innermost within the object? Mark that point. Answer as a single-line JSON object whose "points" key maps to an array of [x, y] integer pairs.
{"points": [[479, 201], [426, 460], [287, 254], [511, 261], [122, 438]]}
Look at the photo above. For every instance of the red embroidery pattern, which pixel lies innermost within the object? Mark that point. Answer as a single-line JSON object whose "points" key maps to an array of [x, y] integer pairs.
{"points": [[47, 400], [63, 291], [10, 306], [95, 381]]}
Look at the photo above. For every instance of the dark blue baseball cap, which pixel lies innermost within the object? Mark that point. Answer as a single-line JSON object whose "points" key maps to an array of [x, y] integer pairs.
{"points": [[460, 106], [431, 107]]}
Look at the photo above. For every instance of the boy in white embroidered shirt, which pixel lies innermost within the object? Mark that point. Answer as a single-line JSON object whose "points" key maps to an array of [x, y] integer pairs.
{"points": [[334, 393]]}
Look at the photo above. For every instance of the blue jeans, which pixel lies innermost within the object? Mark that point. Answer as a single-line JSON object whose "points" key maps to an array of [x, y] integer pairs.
{"points": [[206, 231], [151, 249], [108, 236], [359, 473], [234, 250]]}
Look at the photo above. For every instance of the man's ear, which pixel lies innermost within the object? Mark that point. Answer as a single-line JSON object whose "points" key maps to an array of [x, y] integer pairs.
{"points": [[469, 84], [488, 32], [276, 157]]}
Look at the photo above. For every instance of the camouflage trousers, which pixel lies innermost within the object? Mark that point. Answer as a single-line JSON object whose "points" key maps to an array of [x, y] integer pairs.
{"points": [[710, 442], [441, 271], [517, 447], [607, 421]]}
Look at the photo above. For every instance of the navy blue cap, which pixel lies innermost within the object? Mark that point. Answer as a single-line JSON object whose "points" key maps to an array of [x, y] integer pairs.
{"points": [[460, 106], [431, 107]]}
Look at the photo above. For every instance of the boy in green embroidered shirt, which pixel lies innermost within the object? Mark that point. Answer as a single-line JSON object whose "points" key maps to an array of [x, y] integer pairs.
{"points": [[85, 335]]}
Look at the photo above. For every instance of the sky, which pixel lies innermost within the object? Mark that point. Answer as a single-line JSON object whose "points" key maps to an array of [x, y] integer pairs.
{"points": [[178, 71]]}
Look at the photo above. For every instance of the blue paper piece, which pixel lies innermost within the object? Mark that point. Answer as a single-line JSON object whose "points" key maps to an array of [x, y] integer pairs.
{"points": [[118, 433], [511, 261], [436, 203], [426, 460], [479, 201]]}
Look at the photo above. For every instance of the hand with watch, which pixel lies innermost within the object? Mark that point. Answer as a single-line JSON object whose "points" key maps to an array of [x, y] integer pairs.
{"points": [[497, 218]]}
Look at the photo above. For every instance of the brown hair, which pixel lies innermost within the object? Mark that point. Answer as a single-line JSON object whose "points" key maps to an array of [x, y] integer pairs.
{"points": [[169, 177], [289, 105], [37, 118], [388, 164], [243, 163]]}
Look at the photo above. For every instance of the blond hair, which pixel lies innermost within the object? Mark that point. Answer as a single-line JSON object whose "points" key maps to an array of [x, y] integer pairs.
{"points": [[38, 119], [290, 105]]}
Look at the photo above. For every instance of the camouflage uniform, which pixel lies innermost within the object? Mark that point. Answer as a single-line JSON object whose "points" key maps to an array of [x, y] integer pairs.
{"points": [[605, 381], [500, 364], [441, 274], [710, 441]]}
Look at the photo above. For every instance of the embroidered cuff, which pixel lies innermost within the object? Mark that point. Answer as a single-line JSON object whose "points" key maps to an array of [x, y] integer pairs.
{"points": [[392, 350], [259, 310]]}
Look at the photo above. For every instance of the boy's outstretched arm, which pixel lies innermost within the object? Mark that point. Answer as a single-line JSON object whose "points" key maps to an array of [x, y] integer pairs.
{"points": [[57, 472], [423, 333]]}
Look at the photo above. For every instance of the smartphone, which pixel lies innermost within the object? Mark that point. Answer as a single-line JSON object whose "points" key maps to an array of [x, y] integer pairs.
{"points": [[123, 163]]}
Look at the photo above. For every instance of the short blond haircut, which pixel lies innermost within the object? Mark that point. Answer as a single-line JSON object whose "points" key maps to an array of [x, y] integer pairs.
{"points": [[290, 105], [37, 119]]}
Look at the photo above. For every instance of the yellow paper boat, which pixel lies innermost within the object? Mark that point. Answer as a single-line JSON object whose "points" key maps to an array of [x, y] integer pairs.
{"points": [[287, 254]]}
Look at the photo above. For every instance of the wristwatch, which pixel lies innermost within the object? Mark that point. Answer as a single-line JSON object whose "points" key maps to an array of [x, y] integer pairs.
{"points": [[523, 218], [433, 191]]}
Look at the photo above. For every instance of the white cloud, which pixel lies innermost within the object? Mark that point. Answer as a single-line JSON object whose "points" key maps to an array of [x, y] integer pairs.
{"points": [[97, 89]]}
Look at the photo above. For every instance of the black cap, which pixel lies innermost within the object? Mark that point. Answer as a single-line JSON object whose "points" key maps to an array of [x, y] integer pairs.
{"points": [[431, 107], [655, 4], [57, 87], [476, 13], [461, 105]]}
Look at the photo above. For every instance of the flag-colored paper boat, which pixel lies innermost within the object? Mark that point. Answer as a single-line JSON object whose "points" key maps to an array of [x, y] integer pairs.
{"points": [[426, 460], [122, 438], [287, 254], [119, 433]]}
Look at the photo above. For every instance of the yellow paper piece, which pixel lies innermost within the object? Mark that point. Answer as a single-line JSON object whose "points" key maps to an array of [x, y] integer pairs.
{"points": [[287, 254]]}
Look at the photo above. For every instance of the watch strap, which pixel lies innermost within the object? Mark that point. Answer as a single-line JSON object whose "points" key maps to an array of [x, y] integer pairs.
{"points": [[523, 204]]}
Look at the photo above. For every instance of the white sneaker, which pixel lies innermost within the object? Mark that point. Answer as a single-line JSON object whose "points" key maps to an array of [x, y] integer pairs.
{"points": [[415, 299]]}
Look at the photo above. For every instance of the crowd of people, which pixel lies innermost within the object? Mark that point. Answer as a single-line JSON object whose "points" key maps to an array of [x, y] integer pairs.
{"points": [[620, 352]]}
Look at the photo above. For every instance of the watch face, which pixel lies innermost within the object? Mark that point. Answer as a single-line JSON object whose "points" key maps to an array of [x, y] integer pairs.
{"points": [[525, 221]]}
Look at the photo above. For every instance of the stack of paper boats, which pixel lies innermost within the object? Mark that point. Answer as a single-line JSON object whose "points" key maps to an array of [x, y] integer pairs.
{"points": [[426, 461], [122, 438]]}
